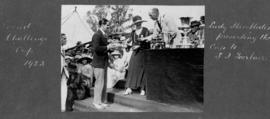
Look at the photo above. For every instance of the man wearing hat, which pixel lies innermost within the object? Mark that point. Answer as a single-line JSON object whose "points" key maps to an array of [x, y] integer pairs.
{"points": [[164, 26], [193, 34]]}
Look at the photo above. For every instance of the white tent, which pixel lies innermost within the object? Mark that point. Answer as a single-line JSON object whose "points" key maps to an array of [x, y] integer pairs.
{"points": [[76, 29]]}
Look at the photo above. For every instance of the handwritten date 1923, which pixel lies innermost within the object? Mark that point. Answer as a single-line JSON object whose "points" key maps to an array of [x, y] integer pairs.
{"points": [[34, 63]]}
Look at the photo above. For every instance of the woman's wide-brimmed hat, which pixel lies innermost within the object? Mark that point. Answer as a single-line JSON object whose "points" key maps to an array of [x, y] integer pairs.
{"points": [[68, 57], [77, 57], [89, 59], [137, 19]]}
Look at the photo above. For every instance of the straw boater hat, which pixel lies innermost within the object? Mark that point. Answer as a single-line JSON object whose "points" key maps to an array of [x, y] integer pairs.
{"points": [[78, 57], [68, 57], [89, 59], [137, 19]]}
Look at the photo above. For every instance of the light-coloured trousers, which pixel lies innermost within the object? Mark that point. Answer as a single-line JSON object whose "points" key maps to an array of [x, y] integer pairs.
{"points": [[100, 85], [63, 92]]}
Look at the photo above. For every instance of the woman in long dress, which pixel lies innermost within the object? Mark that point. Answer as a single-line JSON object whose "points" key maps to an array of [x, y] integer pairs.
{"points": [[135, 76]]}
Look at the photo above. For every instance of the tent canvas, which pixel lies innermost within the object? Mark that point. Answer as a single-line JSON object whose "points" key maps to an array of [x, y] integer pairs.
{"points": [[76, 29]]}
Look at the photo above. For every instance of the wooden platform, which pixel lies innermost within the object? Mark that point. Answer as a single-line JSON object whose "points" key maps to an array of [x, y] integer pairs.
{"points": [[132, 103]]}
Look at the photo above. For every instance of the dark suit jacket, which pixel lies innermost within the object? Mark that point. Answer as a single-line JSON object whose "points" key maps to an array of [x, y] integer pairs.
{"points": [[100, 56]]}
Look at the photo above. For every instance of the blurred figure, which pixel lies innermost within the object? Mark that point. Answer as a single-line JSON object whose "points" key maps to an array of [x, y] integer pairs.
{"points": [[127, 52], [193, 34], [85, 76], [79, 46], [78, 53], [87, 53], [71, 96], [117, 28], [64, 74], [202, 32], [116, 69], [127, 24], [202, 20]]}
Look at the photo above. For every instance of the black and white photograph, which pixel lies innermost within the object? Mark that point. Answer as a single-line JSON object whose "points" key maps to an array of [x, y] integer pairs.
{"points": [[132, 58]]}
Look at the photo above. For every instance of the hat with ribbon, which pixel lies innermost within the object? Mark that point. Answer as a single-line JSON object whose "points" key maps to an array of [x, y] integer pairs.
{"points": [[195, 23], [137, 19]]}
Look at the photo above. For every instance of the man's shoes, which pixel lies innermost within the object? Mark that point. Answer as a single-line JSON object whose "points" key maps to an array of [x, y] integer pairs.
{"points": [[142, 92], [98, 106], [104, 105], [128, 91]]}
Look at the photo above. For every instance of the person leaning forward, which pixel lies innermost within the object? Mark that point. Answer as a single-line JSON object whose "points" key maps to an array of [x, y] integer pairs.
{"points": [[164, 25], [100, 63]]}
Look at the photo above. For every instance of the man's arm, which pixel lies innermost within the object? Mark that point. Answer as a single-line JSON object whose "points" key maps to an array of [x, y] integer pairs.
{"points": [[152, 35]]}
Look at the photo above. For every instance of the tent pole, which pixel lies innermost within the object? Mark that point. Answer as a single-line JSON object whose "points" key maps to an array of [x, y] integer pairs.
{"points": [[75, 10]]}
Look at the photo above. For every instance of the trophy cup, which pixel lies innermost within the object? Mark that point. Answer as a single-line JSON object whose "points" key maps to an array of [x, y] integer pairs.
{"points": [[185, 21]]}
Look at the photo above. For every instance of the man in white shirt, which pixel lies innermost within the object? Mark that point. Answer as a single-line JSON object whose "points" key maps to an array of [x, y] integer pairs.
{"points": [[64, 74]]}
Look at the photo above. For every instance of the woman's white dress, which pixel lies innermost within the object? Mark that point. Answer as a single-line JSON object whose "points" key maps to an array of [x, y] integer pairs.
{"points": [[117, 73]]}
